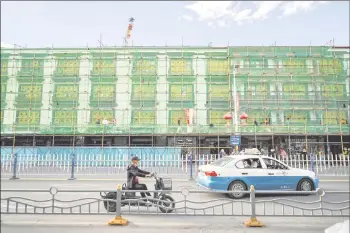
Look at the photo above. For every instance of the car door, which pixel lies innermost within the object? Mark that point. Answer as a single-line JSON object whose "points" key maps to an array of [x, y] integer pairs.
{"points": [[251, 175], [276, 173]]}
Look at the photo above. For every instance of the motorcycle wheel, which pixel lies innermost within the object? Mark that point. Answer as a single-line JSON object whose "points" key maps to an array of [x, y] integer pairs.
{"points": [[168, 207], [110, 206]]}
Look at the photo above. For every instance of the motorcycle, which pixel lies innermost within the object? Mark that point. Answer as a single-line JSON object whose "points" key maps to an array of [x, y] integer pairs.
{"points": [[163, 201]]}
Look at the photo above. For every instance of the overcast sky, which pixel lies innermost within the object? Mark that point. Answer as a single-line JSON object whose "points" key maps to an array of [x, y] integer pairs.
{"points": [[69, 24]]}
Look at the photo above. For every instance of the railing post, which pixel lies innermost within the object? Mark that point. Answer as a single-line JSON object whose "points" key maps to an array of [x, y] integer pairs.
{"points": [[253, 222], [15, 162], [191, 166], [321, 193], [118, 220], [73, 166]]}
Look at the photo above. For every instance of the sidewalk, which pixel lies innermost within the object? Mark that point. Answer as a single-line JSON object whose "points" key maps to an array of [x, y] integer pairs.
{"points": [[184, 223]]}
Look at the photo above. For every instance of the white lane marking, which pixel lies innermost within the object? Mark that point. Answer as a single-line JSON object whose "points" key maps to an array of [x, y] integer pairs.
{"points": [[333, 181], [74, 185]]}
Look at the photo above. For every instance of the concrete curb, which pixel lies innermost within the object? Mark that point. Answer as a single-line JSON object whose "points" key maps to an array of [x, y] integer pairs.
{"points": [[172, 222], [83, 179], [89, 224], [30, 223], [159, 224]]}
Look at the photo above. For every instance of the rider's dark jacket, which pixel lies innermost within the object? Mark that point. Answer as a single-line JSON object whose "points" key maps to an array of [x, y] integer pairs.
{"points": [[132, 172]]}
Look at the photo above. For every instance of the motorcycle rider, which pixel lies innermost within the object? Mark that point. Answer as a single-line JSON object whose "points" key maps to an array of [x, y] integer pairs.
{"points": [[133, 172]]}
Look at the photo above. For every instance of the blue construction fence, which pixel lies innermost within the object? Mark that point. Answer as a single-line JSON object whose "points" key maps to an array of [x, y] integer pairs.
{"points": [[96, 156]]}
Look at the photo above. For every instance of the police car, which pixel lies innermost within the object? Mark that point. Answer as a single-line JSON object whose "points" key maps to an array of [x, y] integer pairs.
{"points": [[249, 167]]}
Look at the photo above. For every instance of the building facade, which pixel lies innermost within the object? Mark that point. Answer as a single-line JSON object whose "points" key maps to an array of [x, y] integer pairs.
{"points": [[175, 95]]}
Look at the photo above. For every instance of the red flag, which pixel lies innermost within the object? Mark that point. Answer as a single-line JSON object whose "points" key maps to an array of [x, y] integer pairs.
{"points": [[130, 27]]}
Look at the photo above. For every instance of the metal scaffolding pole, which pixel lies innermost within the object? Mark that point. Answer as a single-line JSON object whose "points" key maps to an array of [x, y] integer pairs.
{"points": [[235, 99]]}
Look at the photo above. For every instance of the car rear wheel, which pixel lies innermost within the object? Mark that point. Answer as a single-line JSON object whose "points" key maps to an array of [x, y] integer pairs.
{"points": [[305, 185], [237, 186]]}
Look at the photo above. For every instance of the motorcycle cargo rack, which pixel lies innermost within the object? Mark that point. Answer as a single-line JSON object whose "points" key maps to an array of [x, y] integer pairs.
{"points": [[166, 183]]}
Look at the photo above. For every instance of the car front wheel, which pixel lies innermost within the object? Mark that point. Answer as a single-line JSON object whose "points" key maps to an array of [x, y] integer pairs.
{"points": [[305, 185], [237, 186]]}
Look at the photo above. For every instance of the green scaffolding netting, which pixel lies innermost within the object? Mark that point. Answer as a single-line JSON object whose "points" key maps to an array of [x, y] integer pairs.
{"points": [[68, 90]]}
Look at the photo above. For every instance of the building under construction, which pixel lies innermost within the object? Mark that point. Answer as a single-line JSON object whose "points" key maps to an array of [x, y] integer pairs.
{"points": [[195, 98]]}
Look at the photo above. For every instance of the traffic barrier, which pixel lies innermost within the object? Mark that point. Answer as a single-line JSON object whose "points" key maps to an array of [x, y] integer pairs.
{"points": [[118, 219], [253, 221], [73, 165], [14, 175], [191, 166], [73, 168], [186, 202]]}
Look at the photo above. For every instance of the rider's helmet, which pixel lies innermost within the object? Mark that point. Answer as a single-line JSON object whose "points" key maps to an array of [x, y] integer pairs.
{"points": [[135, 158]]}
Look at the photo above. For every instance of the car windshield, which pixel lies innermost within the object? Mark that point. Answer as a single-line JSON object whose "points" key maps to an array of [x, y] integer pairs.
{"points": [[222, 162]]}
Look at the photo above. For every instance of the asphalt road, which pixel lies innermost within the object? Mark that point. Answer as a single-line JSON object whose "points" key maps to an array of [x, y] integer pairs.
{"points": [[193, 203]]}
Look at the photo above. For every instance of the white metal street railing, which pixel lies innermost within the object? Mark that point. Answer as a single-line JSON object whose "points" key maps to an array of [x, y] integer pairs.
{"points": [[183, 202], [107, 164]]}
